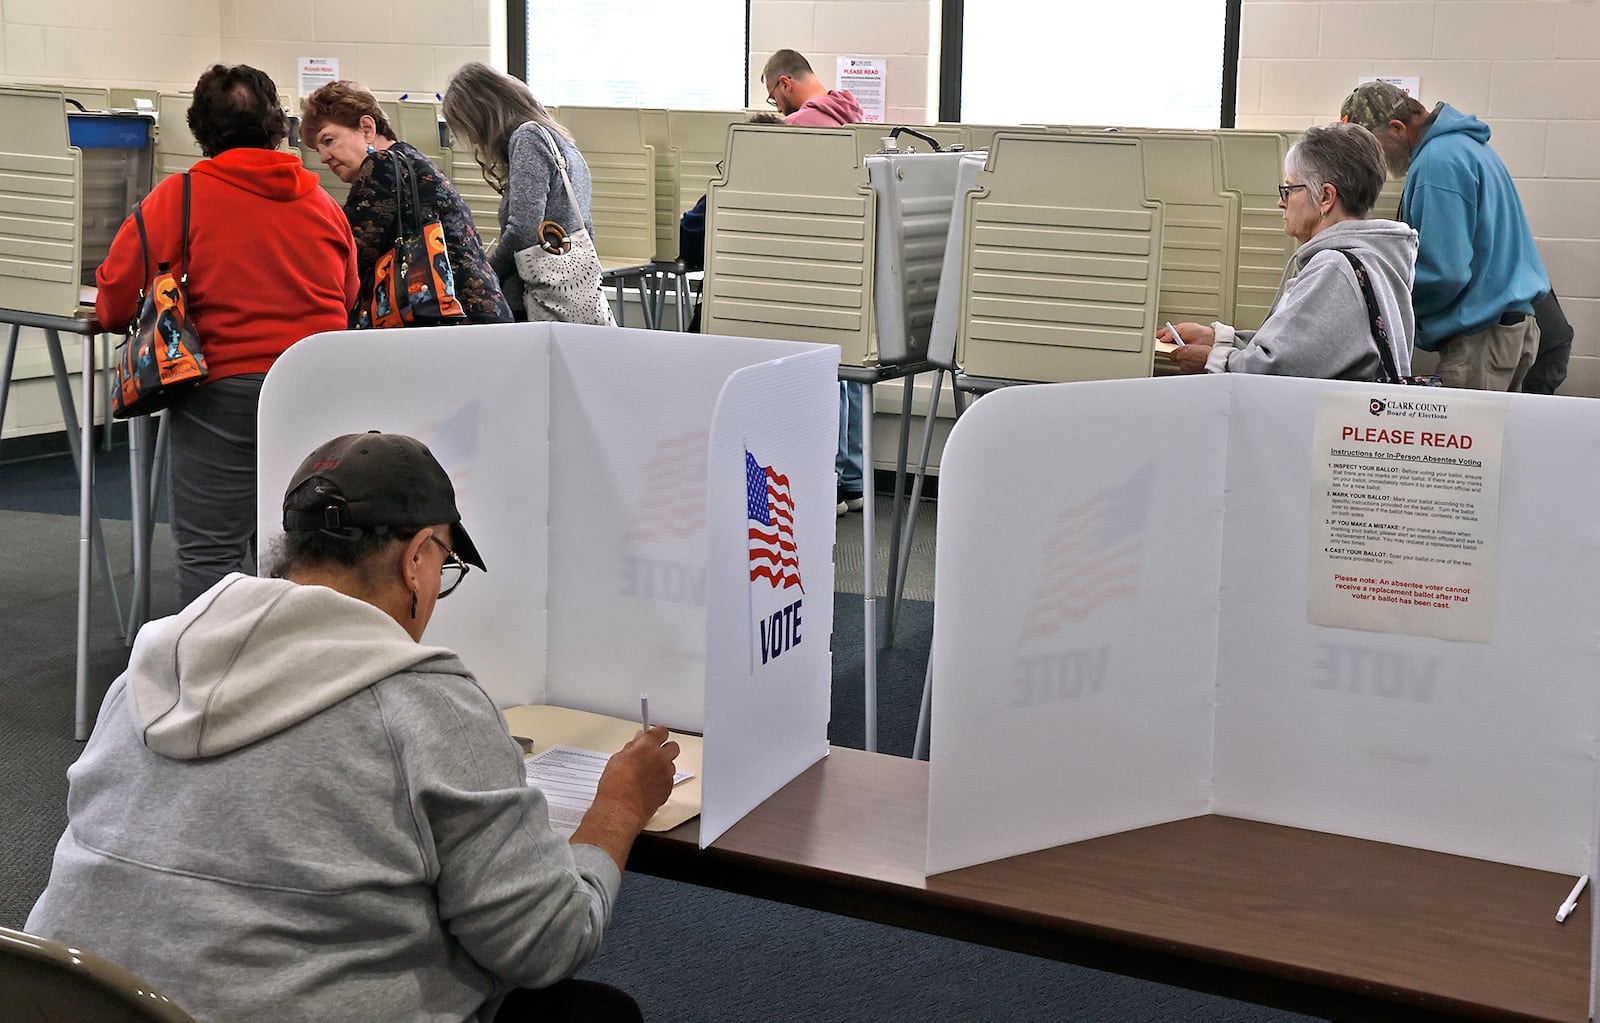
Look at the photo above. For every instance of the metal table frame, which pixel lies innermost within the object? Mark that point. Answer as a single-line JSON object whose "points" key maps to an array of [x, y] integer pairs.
{"points": [[868, 376]]}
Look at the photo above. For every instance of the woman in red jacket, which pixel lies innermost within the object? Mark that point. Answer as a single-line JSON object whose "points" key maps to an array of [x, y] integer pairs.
{"points": [[271, 260]]}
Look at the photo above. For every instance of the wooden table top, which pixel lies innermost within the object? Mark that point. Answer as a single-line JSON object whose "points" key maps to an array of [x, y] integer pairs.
{"points": [[1319, 923]]}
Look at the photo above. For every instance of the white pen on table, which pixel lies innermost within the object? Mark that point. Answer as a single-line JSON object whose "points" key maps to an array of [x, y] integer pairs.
{"points": [[1572, 900], [1177, 338], [644, 711]]}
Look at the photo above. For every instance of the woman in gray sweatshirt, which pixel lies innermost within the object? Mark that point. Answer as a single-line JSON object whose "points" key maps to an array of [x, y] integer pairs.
{"points": [[1318, 324], [501, 119]]}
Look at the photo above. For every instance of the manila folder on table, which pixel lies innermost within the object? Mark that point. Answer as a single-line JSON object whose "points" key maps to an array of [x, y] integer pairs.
{"points": [[562, 726]]}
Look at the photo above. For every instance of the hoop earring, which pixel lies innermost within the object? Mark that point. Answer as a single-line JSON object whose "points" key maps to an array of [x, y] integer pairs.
{"points": [[413, 604]]}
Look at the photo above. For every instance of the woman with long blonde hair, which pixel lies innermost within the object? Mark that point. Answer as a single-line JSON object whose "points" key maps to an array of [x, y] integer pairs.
{"points": [[516, 142]]}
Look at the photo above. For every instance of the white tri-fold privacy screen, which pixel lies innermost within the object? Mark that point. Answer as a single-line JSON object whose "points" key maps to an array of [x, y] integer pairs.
{"points": [[1133, 589], [605, 477]]}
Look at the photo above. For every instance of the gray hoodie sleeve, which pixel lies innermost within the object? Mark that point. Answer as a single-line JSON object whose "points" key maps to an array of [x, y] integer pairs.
{"points": [[1318, 328], [525, 904]]}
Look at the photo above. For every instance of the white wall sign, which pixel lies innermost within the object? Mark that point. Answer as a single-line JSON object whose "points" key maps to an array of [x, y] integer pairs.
{"points": [[1411, 85], [1405, 514], [866, 78], [316, 72]]}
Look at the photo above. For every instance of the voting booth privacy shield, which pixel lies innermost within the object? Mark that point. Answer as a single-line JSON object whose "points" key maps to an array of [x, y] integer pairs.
{"points": [[1326, 605], [653, 510]]}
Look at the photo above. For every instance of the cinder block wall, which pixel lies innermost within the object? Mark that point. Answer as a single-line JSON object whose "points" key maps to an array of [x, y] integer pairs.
{"points": [[1527, 68]]}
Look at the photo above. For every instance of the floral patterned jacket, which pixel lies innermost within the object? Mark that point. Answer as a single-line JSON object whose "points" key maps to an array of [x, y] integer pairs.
{"points": [[371, 210]]}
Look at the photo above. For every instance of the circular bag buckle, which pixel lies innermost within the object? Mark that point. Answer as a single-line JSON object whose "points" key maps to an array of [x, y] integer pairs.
{"points": [[553, 238]]}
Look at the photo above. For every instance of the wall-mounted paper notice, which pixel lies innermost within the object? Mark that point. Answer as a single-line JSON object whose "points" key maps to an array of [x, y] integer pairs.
{"points": [[1405, 514], [316, 72], [866, 78]]}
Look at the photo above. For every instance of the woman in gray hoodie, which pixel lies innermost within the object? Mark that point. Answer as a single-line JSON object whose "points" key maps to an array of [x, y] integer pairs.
{"points": [[292, 809], [1319, 324]]}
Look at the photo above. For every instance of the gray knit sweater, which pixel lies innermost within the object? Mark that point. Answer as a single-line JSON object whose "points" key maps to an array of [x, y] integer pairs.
{"points": [[533, 195]]}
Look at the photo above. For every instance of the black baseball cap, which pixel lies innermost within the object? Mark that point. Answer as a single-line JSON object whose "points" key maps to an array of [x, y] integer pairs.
{"points": [[371, 482]]}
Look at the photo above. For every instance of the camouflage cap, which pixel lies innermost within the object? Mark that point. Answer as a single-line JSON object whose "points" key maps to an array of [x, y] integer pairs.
{"points": [[1373, 105]]}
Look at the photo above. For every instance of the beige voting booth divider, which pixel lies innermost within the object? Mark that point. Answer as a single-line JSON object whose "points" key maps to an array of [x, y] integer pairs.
{"points": [[1200, 243], [1252, 166], [417, 123], [696, 142], [981, 136], [89, 97], [1060, 276], [622, 171], [654, 123], [788, 245], [176, 149], [41, 208]]}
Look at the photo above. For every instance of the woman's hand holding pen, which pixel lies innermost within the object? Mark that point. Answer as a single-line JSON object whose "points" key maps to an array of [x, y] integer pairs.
{"points": [[1194, 341], [1187, 334], [639, 776], [636, 781]]}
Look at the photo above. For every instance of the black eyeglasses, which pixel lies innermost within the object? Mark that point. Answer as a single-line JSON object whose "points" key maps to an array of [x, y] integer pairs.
{"points": [[452, 571], [1284, 190]]}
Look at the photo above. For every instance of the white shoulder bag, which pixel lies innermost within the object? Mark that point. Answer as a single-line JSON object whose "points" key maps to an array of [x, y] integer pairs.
{"points": [[561, 272]]}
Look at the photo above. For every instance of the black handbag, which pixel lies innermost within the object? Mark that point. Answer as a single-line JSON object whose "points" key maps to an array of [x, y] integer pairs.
{"points": [[413, 284], [1389, 374], [161, 358]]}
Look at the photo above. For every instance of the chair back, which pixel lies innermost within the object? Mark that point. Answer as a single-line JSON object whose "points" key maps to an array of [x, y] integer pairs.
{"points": [[47, 980]]}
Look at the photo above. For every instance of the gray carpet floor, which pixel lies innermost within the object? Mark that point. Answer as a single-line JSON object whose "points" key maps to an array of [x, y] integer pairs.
{"points": [[685, 953]]}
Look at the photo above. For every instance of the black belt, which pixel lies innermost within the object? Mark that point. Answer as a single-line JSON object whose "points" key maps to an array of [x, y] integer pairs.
{"points": [[1512, 319]]}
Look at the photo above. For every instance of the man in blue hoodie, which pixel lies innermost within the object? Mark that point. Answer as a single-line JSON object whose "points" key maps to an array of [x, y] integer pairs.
{"points": [[1478, 272]]}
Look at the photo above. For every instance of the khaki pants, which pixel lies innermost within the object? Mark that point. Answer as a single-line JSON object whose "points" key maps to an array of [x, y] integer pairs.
{"points": [[1491, 360]]}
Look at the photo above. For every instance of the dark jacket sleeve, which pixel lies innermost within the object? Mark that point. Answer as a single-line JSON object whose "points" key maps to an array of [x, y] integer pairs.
{"points": [[692, 236]]}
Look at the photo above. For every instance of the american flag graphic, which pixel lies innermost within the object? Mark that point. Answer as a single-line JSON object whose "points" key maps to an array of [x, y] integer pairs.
{"points": [[678, 488], [1093, 556], [773, 555]]}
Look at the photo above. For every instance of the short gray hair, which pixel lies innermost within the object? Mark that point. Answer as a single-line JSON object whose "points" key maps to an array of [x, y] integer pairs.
{"points": [[1346, 156]]}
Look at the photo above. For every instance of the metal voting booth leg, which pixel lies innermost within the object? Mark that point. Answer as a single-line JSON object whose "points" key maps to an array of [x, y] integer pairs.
{"points": [[77, 418], [867, 377], [89, 527]]}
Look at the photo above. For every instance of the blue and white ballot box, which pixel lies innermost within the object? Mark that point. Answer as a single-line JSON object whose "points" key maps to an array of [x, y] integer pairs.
{"points": [[656, 511], [118, 170]]}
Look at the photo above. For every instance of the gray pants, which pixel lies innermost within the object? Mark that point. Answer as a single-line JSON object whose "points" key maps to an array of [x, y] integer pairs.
{"points": [[212, 494]]}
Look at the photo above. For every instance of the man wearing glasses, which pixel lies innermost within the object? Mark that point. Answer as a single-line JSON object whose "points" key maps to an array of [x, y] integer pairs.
{"points": [[292, 809], [801, 97], [1478, 271], [804, 101]]}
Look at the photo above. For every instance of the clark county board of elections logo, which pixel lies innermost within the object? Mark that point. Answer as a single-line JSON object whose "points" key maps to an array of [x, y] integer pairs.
{"points": [[1376, 406]]}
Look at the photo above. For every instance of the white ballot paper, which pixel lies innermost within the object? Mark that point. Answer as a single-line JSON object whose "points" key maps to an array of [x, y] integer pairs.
{"points": [[568, 777], [1405, 514]]}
